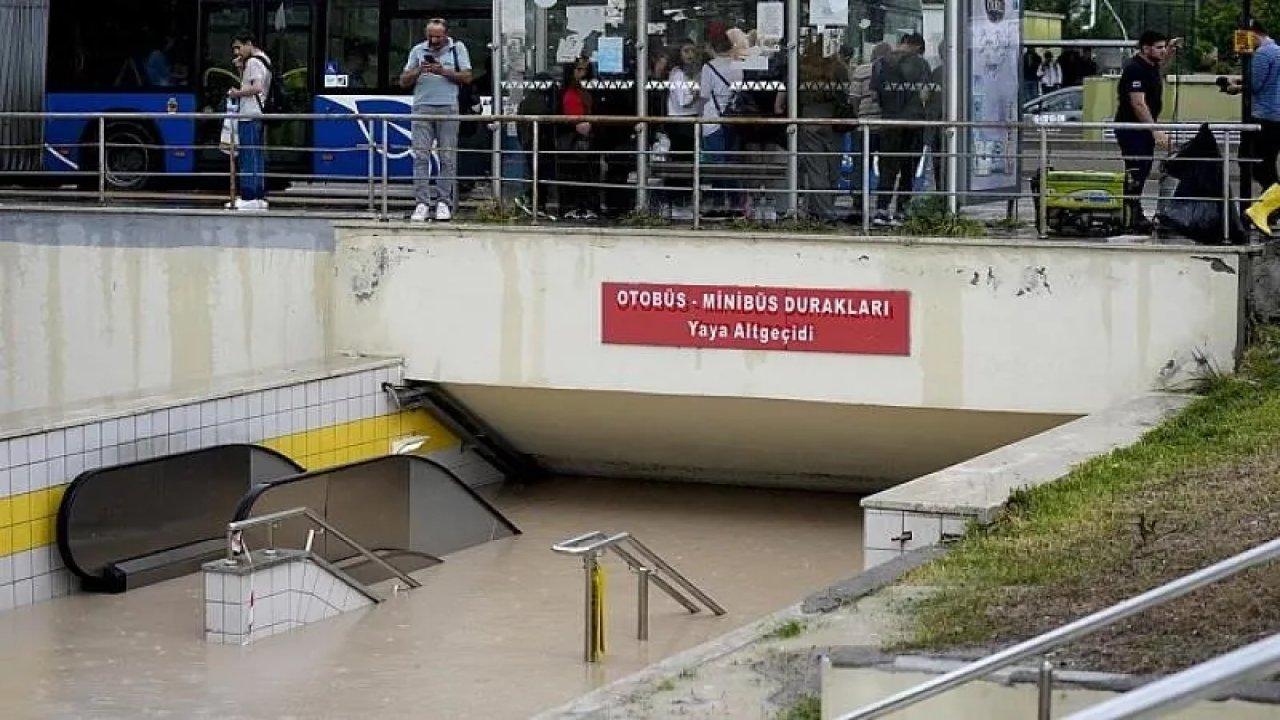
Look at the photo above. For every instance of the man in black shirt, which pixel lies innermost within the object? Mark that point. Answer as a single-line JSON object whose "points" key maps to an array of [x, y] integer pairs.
{"points": [[1141, 91]]}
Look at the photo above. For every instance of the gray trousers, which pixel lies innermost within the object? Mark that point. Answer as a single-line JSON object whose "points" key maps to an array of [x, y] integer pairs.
{"points": [[819, 168], [444, 135]]}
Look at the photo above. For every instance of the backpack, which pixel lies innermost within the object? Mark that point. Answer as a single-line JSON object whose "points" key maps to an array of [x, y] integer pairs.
{"points": [[740, 104], [899, 83], [274, 102]]}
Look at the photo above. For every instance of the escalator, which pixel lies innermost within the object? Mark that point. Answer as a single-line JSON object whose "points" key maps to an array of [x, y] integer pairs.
{"points": [[408, 510], [131, 525], [138, 523]]}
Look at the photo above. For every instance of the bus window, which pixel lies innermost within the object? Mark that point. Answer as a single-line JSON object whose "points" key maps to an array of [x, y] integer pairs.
{"points": [[115, 45], [351, 47]]}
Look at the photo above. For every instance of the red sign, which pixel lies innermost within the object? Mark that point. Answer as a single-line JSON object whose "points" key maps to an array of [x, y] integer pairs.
{"points": [[869, 322]]}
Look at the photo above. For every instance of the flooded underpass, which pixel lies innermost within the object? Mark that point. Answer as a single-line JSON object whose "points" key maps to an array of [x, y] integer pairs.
{"points": [[496, 631]]}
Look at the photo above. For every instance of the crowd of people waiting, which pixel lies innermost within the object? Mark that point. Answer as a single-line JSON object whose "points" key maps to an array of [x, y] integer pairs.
{"points": [[709, 82]]}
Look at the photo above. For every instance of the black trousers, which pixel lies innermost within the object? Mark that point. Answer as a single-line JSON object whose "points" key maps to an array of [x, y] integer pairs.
{"points": [[901, 149], [1138, 147], [1264, 146]]}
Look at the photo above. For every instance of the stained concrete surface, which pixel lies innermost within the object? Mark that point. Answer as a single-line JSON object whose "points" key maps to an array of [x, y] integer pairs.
{"points": [[495, 632]]}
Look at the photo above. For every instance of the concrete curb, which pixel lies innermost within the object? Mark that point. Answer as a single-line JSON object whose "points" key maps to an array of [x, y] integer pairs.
{"points": [[864, 656], [598, 701]]}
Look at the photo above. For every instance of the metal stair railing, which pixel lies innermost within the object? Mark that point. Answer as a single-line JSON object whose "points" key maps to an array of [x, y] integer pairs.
{"points": [[648, 566], [1251, 662], [235, 546], [1071, 631]]}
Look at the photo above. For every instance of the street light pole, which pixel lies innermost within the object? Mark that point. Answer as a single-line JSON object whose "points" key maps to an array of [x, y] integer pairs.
{"points": [[1246, 102]]}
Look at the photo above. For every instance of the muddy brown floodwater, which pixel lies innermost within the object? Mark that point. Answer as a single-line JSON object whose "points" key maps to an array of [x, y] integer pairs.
{"points": [[495, 632]]}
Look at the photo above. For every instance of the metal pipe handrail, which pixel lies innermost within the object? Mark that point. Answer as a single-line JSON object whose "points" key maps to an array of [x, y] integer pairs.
{"points": [[1071, 631], [591, 545], [270, 519], [625, 119], [1251, 662]]}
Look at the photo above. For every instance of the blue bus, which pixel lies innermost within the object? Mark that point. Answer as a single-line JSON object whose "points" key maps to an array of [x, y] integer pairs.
{"points": [[333, 57]]}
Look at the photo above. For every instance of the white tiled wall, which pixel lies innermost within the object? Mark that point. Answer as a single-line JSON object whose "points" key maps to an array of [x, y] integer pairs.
{"points": [[886, 534], [241, 608], [37, 462]]}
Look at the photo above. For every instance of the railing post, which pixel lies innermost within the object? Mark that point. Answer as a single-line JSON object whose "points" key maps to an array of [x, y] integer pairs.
{"points": [[866, 179], [642, 603], [1042, 209], [102, 160], [386, 159], [533, 191], [697, 175], [231, 161], [271, 539], [1045, 685], [793, 170], [1226, 186], [369, 173], [642, 105]]}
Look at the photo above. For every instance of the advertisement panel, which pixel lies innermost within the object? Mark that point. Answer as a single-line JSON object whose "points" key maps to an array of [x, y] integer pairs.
{"points": [[995, 39]]}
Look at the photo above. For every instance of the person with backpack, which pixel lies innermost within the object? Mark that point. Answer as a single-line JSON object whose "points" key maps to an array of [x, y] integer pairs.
{"points": [[437, 69], [251, 98], [865, 99], [718, 88], [902, 86]]}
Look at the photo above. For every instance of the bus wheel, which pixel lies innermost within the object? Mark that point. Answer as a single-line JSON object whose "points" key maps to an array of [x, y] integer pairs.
{"points": [[131, 154]]}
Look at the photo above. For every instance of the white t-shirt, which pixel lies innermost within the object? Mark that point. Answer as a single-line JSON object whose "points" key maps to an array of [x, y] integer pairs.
{"points": [[255, 71], [716, 89], [681, 101]]}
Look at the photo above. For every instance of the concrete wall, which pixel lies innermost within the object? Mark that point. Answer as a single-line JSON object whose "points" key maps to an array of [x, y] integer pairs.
{"points": [[99, 304], [1031, 327]]}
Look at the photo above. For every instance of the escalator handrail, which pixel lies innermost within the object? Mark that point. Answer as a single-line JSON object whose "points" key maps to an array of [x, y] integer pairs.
{"points": [[248, 501], [81, 480]]}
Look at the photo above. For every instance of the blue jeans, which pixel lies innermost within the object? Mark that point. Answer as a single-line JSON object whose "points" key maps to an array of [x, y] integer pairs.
{"points": [[253, 153], [716, 145]]}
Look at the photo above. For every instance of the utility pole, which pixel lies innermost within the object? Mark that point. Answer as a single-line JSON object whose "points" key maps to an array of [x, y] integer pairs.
{"points": [[1246, 100]]}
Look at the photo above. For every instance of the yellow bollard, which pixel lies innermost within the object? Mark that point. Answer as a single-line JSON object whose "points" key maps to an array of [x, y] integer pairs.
{"points": [[597, 611]]}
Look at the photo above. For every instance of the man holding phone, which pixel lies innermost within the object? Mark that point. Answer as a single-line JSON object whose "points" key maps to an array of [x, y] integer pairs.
{"points": [[434, 70]]}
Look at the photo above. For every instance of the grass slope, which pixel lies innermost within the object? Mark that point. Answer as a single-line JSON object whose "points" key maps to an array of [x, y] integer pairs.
{"points": [[1201, 487]]}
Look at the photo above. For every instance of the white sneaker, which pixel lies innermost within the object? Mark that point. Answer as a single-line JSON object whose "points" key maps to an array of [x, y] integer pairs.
{"points": [[237, 204], [262, 204], [443, 213], [419, 213]]}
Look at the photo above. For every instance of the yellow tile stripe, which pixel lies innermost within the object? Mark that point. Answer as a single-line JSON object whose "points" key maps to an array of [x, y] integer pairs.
{"points": [[361, 439], [27, 520]]}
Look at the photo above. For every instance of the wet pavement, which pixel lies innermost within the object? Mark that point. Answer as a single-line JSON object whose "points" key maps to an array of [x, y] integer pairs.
{"points": [[495, 632]]}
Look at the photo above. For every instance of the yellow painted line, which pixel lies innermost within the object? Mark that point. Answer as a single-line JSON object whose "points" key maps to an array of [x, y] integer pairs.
{"points": [[27, 520]]}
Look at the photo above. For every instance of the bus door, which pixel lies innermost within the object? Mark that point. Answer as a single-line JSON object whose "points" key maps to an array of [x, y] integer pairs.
{"points": [[286, 32], [291, 33], [220, 21]]}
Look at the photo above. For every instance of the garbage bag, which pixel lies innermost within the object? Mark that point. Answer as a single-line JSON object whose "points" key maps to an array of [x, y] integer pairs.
{"points": [[1195, 209]]}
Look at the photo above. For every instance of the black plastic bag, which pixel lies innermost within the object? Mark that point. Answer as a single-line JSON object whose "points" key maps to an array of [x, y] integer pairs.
{"points": [[1195, 210]]}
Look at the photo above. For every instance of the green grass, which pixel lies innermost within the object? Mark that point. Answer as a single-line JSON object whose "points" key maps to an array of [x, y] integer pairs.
{"points": [[808, 707], [1072, 536], [786, 630]]}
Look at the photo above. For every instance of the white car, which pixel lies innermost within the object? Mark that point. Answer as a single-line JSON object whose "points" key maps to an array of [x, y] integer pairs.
{"points": [[1065, 105]]}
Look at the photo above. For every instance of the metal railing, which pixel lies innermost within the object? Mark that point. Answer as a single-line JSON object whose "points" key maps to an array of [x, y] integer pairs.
{"points": [[1025, 151], [235, 545], [1251, 662], [648, 567], [1060, 636]]}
